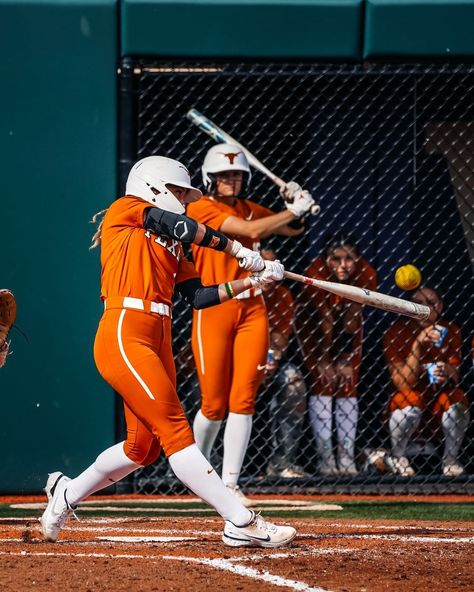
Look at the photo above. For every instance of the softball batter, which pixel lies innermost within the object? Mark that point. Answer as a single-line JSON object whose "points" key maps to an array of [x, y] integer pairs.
{"points": [[142, 264]]}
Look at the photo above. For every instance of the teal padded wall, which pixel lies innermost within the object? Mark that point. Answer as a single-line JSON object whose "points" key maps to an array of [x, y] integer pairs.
{"points": [[419, 28], [324, 29], [58, 167]]}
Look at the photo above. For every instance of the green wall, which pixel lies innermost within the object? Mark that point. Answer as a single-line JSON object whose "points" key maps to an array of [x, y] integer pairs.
{"points": [[58, 127], [329, 29], [58, 155], [421, 28]]}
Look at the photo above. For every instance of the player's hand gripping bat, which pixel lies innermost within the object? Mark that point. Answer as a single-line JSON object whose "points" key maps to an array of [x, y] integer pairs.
{"points": [[364, 296], [219, 135]]}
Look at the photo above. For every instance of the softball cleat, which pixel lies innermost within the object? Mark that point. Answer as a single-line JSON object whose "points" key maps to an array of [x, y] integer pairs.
{"points": [[58, 509], [257, 533]]}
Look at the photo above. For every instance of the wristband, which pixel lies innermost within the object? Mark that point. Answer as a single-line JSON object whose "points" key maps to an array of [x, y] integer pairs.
{"points": [[229, 290]]}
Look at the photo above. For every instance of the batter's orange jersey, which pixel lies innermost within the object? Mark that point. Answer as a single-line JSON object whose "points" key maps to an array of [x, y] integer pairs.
{"points": [[216, 267], [280, 309], [135, 262], [399, 338]]}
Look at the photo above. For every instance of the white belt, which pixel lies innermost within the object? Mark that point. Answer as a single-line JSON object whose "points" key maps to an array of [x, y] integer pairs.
{"points": [[138, 304], [250, 293]]}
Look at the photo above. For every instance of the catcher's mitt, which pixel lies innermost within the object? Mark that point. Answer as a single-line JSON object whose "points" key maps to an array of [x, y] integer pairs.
{"points": [[7, 318]]}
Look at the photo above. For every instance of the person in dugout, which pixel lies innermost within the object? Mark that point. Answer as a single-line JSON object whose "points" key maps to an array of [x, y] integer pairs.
{"points": [[230, 343], [424, 358], [329, 330], [143, 263]]}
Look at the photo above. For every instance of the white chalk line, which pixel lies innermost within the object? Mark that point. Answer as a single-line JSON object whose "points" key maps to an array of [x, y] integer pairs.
{"points": [[389, 537], [206, 509], [222, 564], [250, 572]]}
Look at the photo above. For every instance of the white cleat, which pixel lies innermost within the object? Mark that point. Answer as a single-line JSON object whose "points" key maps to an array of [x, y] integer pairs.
{"points": [[453, 470], [257, 533], [399, 465], [238, 493], [58, 510]]}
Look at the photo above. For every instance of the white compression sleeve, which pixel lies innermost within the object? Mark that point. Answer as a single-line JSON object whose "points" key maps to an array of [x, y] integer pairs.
{"points": [[236, 440], [109, 467], [192, 469], [205, 433]]}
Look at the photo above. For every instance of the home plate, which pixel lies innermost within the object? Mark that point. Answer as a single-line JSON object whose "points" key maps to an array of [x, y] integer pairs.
{"points": [[145, 539]]}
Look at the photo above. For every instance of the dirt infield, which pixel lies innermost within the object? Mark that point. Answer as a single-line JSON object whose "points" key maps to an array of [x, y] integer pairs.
{"points": [[186, 553]]}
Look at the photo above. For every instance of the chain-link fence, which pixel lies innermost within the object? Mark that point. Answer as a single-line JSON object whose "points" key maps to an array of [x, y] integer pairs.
{"points": [[387, 151]]}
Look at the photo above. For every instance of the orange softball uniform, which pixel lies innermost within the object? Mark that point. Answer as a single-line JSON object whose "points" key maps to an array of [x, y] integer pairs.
{"points": [[397, 343], [230, 342], [309, 318], [133, 348]]}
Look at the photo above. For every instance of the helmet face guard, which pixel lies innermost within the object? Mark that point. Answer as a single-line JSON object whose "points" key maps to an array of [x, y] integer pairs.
{"points": [[150, 178], [222, 158]]}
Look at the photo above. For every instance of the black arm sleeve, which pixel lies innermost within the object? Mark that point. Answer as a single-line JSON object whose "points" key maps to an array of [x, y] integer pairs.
{"points": [[199, 296], [178, 226], [182, 228]]}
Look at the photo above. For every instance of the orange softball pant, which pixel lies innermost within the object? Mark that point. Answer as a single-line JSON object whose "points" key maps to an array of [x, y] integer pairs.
{"points": [[443, 401], [133, 353], [230, 347]]}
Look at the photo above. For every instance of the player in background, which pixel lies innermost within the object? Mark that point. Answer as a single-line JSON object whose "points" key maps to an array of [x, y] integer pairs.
{"points": [[424, 359], [329, 330], [142, 259], [230, 343], [284, 383]]}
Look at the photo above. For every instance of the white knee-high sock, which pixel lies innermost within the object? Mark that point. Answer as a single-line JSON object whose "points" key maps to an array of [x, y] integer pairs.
{"points": [[320, 416], [205, 433], [346, 414], [402, 425], [236, 440], [109, 467], [454, 422], [192, 469]]}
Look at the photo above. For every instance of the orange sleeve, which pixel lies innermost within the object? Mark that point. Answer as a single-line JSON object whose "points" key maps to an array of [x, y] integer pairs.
{"points": [[259, 210], [367, 276], [128, 211], [208, 212]]}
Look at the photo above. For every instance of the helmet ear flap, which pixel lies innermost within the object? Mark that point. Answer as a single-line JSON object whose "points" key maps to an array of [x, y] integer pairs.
{"points": [[211, 184], [245, 184]]}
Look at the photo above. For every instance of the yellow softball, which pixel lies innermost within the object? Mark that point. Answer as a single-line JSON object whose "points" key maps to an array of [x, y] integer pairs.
{"points": [[408, 277]]}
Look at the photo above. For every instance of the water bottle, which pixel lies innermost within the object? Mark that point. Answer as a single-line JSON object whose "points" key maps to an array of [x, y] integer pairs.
{"points": [[443, 331]]}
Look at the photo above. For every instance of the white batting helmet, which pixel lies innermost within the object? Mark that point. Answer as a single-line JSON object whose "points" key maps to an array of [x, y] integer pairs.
{"points": [[149, 179], [224, 157]]}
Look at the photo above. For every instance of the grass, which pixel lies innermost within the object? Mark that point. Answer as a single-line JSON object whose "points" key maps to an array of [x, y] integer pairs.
{"points": [[354, 510]]}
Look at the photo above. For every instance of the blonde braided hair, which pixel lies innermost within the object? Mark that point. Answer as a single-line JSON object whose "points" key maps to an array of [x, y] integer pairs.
{"points": [[97, 237]]}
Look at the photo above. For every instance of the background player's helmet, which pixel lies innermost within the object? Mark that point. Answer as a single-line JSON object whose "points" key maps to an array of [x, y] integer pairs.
{"points": [[149, 179], [225, 157]]}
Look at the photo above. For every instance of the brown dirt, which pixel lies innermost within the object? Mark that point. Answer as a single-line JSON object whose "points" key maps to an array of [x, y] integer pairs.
{"points": [[343, 555]]}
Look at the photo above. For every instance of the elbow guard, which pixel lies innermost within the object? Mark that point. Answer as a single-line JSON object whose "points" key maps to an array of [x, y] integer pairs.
{"points": [[172, 225]]}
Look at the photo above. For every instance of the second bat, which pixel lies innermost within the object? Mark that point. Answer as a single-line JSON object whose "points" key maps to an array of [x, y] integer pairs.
{"points": [[219, 135]]}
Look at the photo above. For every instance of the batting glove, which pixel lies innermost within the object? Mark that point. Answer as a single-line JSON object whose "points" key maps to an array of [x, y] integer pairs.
{"points": [[273, 272], [289, 190], [248, 259], [301, 204]]}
